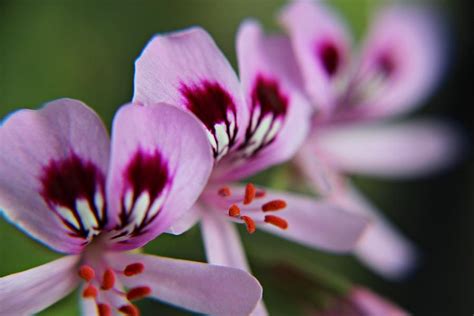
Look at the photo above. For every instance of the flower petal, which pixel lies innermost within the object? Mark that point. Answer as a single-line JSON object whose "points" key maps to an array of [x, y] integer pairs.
{"points": [[186, 221], [161, 161], [314, 168], [397, 150], [199, 287], [382, 247], [223, 247], [315, 223], [33, 290], [187, 69], [61, 147], [321, 43], [373, 305], [405, 46], [279, 113], [222, 242]]}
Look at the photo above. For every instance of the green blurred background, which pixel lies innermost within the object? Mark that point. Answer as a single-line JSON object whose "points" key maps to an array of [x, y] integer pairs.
{"points": [[86, 49]]}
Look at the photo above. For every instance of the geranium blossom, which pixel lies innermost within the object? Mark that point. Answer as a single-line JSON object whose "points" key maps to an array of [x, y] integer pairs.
{"points": [[65, 184], [397, 67], [252, 124]]}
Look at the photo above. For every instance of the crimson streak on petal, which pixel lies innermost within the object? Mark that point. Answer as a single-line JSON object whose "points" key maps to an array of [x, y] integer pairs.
{"points": [[74, 189], [269, 106], [330, 57], [216, 109], [148, 179]]}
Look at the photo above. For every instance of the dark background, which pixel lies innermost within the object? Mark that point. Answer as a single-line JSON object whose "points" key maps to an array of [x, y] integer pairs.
{"points": [[86, 49]]}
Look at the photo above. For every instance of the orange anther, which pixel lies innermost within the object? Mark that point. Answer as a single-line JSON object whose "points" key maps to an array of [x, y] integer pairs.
{"points": [[130, 310], [260, 194], [86, 273], [274, 205], [104, 309], [134, 269], [138, 292], [108, 280], [249, 222], [234, 210], [90, 292], [277, 221], [249, 193], [224, 192]]}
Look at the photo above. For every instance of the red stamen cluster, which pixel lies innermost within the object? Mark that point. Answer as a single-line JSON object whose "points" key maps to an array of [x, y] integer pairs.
{"points": [[108, 282], [251, 193]]}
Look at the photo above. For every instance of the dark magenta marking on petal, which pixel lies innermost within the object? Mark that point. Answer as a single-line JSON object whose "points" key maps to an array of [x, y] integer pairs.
{"points": [[386, 64], [209, 102], [212, 104], [146, 172], [64, 181], [330, 56], [267, 95], [267, 100]]}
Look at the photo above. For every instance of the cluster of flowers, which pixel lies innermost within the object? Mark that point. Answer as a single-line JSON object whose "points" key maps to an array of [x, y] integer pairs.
{"points": [[193, 128]]}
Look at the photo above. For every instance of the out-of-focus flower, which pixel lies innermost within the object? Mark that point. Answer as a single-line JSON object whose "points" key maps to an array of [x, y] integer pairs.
{"points": [[251, 125], [361, 302], [399, 63], [64, 183]]}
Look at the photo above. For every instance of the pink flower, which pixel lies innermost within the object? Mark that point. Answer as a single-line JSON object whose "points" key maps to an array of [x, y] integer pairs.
{"points": [[399, 64], [252, 124], [64, 183]]}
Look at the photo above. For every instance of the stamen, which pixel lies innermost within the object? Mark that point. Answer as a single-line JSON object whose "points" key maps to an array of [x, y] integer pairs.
{"points": [[108, 280], [104, 309], [134, 269], [260, 194], [130, 310], [86, 273], [234, 210], [138, 292], [274, 205], [249, 222], [224, 192], [90, 292], [277, 221], [249, 193]]}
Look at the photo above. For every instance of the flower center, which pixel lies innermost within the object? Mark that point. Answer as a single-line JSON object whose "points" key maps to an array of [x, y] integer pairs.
{"points": [[107, 292], [74, 190], [249, 209], [216, 110], [269, 106]]}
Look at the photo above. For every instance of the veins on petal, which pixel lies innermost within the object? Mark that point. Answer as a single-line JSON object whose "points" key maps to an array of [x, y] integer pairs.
{"points": [[216, 109], [74, 189], [148, 180], [269, 106]]}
